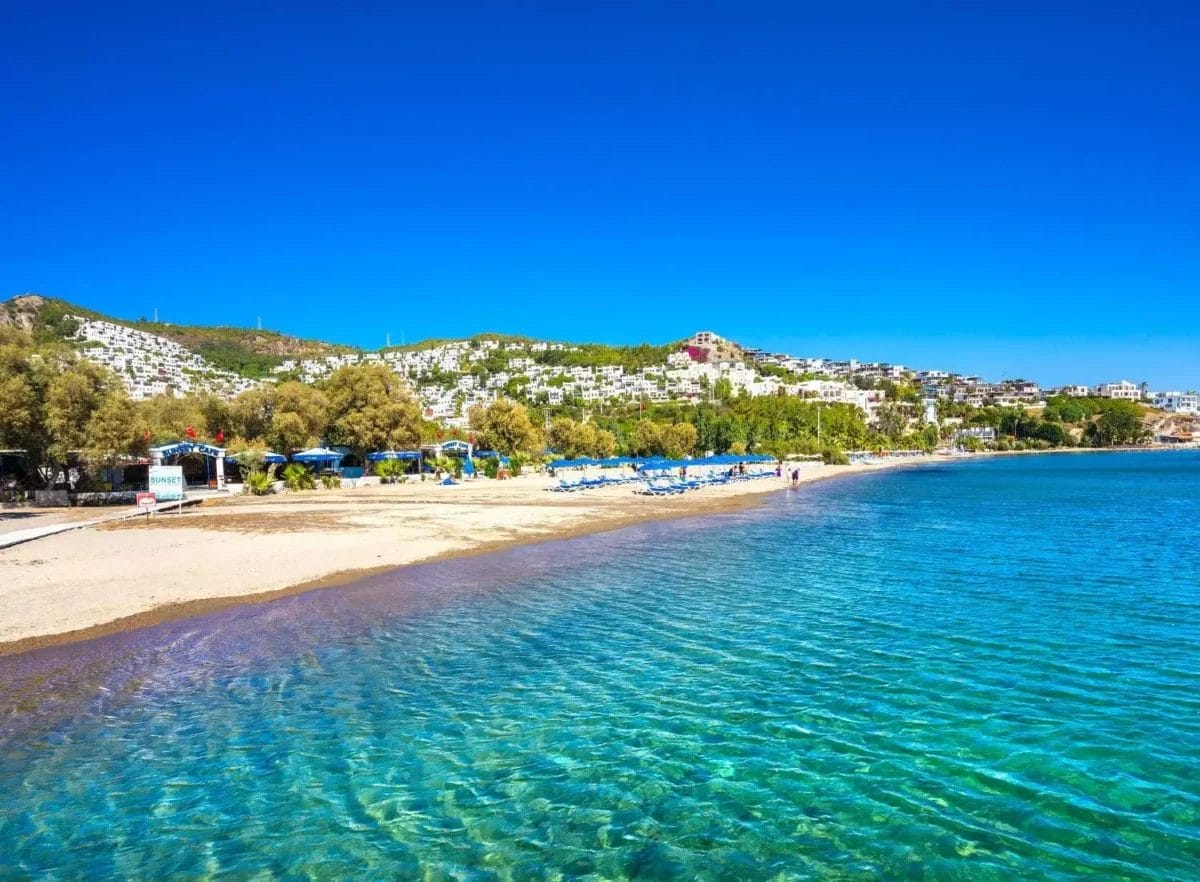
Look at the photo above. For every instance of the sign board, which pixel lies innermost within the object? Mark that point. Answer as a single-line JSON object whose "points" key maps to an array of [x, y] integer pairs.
{"points": [[146, 500], [166, 482]]}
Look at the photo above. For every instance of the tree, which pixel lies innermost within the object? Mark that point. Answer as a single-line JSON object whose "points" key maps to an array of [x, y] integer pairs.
{"points": [[250, 413], [890, 420], [71, 399], [48, 396], [113, 432], [574, 439], [647, 439], [299, 417], [370, 408], [215, 413], [1120, 423], [168, 418], [605, 444], [22, 393], [569, 438], [678, 440], [504, 426]]}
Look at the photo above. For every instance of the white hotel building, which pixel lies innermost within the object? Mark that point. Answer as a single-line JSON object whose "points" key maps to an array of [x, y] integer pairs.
{"points": [[1124, 390], [1177, 402]]}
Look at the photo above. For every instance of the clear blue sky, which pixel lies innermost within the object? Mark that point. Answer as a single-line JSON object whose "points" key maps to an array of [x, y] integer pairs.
{"points": [[1010, 192]]}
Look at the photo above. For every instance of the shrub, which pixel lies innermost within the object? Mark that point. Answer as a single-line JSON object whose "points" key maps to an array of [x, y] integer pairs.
{"points": [[298, 477], [491, 466], [331, 482], [257, 483], [516, 463], [389, 470], [834, 456]]}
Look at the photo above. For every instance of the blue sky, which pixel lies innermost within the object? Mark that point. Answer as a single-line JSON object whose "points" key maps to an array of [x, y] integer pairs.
{"points": [[1010, 192]]}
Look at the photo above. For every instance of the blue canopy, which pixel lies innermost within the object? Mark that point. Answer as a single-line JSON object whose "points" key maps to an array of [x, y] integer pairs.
{"points": [[606, 463], [468, 466], [394, 454], [268, 457], [659, 462], [723, 459], [317, 454]]}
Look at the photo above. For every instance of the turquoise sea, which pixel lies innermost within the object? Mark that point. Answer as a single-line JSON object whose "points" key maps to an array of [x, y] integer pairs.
{"points": [[988, 670]]}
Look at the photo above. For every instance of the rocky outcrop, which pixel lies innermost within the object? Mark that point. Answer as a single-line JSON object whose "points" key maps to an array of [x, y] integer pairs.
{"points": [[22, 311]]}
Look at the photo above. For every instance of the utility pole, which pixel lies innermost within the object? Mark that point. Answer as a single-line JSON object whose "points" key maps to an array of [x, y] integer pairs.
{"points": [[156, 315], [260, 322]]}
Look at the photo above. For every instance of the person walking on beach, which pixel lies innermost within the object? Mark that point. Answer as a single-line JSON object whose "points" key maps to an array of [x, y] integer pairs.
{"points": [[795, 477]]}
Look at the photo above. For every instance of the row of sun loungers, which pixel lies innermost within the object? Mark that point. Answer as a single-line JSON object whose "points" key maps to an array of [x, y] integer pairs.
{"points": [[674, 486], [654, 486], [566, 486]]}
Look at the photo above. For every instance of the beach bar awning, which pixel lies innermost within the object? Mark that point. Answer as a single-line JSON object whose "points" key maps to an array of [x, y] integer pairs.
{"points": [[268, 457], [658, 462], [317, 455], [723, 459], [393, 454]]}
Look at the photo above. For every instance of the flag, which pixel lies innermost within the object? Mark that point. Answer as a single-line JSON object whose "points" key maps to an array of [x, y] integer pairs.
{"points": [[220, 436], [191, 433]]}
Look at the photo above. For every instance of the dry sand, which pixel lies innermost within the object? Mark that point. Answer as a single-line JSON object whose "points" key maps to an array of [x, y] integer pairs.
{"points": [[82, 584]]}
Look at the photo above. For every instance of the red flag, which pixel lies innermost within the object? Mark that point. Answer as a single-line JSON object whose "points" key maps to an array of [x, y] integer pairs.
{"points": [[220, 435], [191, 433]]}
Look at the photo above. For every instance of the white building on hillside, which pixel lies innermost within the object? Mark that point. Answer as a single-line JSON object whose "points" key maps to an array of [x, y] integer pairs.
{"points": [[1124, 390], [1177, 402]]}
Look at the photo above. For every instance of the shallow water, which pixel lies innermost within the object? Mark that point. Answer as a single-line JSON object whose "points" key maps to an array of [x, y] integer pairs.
{"points": [[985, 670]]}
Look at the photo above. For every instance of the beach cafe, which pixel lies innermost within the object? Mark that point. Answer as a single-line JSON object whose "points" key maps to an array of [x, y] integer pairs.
{"points": [[190, 455]]}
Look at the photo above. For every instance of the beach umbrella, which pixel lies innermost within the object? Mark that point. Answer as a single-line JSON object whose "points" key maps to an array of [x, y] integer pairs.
{"points": [[317, 455], [393, 454]]}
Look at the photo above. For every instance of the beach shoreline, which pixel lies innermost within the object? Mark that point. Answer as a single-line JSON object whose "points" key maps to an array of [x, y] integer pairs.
{"points": [[128, 575]]}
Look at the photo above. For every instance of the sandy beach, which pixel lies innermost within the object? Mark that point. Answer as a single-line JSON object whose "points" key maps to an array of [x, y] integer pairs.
{"points": [[128, 574]]}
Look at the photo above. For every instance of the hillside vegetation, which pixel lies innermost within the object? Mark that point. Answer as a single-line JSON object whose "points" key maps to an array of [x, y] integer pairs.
{"points": [[250, 353]]}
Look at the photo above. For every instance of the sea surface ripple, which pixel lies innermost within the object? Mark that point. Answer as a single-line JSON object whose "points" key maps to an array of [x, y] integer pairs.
{"points": [[988, 670]]}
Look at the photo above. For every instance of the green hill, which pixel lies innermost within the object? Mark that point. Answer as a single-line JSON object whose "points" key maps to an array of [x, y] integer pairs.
{"points": [[251, 353], [254, 353]]}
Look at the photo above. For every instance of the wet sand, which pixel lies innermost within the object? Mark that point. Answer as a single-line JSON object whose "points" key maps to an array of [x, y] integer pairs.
{"points": [[137, 573]]}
